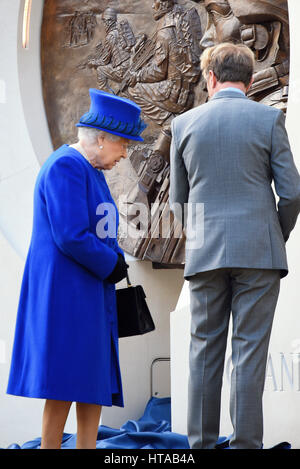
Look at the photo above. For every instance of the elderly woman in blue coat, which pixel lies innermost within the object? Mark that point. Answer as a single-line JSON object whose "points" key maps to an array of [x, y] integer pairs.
{"points": [[66, 338]]}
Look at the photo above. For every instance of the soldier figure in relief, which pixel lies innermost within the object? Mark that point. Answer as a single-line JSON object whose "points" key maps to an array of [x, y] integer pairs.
{"points": [[112, 59], [164, 70], [264, 27], [163, 87]]}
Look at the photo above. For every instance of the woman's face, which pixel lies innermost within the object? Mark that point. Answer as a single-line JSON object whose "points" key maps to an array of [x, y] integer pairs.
{"points": [[111, 152]]}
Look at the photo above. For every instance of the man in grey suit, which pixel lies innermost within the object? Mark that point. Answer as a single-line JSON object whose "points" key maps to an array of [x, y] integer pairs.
{"points": [[224, 156]]}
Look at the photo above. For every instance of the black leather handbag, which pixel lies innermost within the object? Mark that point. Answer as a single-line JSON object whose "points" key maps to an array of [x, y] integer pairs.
{"points": [[134, 317]]}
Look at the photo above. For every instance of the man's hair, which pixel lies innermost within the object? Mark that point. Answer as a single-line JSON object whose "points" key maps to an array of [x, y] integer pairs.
{"points": [[229, 62]]}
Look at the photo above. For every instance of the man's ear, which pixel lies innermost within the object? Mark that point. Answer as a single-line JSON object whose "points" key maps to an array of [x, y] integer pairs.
{"points": [[250, 84], [213, 79]]}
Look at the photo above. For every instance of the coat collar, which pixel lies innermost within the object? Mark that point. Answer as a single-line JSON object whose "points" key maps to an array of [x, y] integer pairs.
{"points": [[228, 93]]}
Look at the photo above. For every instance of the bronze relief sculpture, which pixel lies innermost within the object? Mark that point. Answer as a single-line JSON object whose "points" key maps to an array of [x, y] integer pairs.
{"points": [[146, 51], [149, 51]]}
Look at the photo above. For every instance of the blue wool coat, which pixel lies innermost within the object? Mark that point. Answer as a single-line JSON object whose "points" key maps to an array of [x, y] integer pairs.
{"points": [[66, 336]]}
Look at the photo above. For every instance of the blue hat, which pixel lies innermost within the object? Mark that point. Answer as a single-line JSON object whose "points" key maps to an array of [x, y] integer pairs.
{"points": [[118, 116]]}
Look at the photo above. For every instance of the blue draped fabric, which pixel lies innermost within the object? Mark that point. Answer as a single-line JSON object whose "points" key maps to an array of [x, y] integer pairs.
{"points": [[151, 431]]}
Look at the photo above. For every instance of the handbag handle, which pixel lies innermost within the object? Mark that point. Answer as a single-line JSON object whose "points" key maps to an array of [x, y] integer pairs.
{"points": [[128, 280]]}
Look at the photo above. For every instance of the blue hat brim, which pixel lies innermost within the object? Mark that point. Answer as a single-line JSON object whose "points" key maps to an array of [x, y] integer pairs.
{"points": [[136, 138]]}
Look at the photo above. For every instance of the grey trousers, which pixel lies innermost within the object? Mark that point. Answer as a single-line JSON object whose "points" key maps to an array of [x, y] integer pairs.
{"points": [[250, 295]]}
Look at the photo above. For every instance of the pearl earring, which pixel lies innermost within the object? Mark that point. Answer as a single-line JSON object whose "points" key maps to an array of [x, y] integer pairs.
{"points": [[101, 147]]}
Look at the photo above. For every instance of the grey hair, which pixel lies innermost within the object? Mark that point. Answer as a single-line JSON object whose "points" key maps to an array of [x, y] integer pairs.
{"points": [[90, 135]]}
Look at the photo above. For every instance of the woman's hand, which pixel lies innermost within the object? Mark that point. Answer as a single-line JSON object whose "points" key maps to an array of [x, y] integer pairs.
{"points": [[119, 272]]}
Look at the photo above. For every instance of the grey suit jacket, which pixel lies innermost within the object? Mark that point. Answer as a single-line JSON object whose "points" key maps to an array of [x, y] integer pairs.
{"points": [[224, 156]]}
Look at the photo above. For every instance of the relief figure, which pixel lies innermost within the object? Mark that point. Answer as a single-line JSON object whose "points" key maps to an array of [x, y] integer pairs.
{"points": [[263, 26], [112, 58], [81, 28], [164, 86], [164, 71]]}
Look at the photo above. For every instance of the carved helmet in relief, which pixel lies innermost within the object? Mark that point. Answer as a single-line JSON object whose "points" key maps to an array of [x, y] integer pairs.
{"points": [[271, 22], [253, 11], [231, 17], [260, 11], [161, 7], [109, 14]]}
